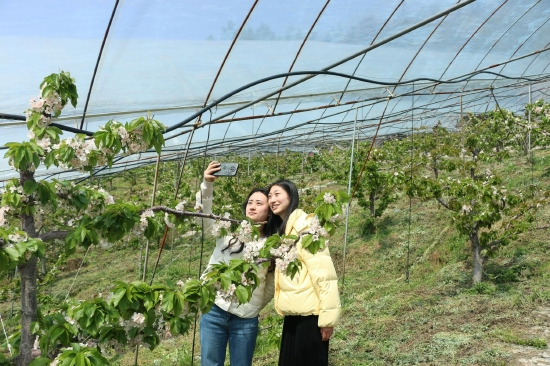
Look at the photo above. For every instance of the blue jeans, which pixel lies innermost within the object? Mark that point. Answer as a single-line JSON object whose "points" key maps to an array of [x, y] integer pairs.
{"points": [[217, 327]]}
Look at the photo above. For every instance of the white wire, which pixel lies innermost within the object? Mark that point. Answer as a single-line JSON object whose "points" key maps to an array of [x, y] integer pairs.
{"points": [[6, 335], [77, 272]]}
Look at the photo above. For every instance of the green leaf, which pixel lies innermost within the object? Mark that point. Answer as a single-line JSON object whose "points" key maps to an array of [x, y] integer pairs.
{"points": [[83, 233], [242, 294], [56, 333], [306, 241], [168, 301], [40, 361], [117, 296], [206, 297], [13, 253], [272, 240], [235, 263], [226, 279], [80, 360], [5, 261]]}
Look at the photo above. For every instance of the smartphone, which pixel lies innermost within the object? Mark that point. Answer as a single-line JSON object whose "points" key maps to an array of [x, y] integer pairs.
{"points": [[227, 170]]}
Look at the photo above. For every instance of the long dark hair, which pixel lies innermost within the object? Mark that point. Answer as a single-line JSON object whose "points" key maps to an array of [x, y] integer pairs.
{"points": [[234, 240], [274, 223]]}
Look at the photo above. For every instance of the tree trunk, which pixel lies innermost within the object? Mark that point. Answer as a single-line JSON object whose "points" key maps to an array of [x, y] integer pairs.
{"points": [[28, 310], [478, 260], [435, 164], [372, 202], [28, 287]]}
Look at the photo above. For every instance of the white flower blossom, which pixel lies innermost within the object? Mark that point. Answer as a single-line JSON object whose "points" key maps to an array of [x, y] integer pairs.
{"points": [[181, 205], [328, 198], [3, 211], [251, 249], [284, 255], [167, 221], [143, 219], [138, 318], [220, 224], [244, 233]]}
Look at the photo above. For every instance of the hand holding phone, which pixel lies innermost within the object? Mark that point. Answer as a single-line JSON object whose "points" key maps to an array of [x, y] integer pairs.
{"points": [[212, 168]]}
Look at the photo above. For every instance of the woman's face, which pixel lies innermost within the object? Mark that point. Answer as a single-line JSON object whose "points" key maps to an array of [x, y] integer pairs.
{"points": [[257, 208], [279, 201]]}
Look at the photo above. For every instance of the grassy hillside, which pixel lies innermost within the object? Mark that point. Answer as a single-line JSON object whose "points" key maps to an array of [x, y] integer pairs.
{"points": [[433, 317]]}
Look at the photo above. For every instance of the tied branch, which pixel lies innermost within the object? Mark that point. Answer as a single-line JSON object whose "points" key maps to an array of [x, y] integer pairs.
{"points": [[44, 237], [54, 235]]}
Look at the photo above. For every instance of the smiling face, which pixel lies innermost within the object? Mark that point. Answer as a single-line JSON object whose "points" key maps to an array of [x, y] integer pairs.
{"points": [[279, 201], [257, 208]]}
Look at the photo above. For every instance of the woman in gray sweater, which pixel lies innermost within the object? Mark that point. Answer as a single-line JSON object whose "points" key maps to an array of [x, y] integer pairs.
{"points": [[227, 321]]}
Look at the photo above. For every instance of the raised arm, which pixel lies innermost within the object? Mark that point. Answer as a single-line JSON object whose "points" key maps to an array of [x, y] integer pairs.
{"points": [[205, 195]]}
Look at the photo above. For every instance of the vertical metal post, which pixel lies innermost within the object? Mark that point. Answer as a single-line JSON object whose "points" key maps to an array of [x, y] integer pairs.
{"points": [[359, 131], [303, 153], [461, 109], [147, 243], [349, 203], [461, 124], [172, 247], [529, 135], [153, 197], [407, 274], [249, 148], [140, 258], [530, 156], [144, 274]]}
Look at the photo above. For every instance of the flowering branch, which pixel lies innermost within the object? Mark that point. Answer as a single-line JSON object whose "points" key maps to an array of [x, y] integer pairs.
{"points": [[180, 213]]}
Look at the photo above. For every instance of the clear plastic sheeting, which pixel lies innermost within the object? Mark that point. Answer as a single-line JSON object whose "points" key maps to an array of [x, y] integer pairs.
{"points": [[397, 64]]}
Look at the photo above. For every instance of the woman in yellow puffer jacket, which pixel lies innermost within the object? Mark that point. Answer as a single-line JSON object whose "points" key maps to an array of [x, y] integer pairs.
{"points": [[310, 302]]}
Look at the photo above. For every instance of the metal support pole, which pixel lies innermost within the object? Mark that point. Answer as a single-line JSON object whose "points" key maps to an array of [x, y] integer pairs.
{"points": [[349, 203], [154, 195], [529, 135], [529, 152], [461, 124], [249, 148], [303, 153]]}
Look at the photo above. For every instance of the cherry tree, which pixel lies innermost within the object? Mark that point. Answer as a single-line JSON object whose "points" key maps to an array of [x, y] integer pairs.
{"points": [[481, 204], [377, 176], [539, 124]]}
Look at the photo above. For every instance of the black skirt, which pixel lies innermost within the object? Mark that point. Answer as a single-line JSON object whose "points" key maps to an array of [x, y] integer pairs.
{"points": [[302, 344]]}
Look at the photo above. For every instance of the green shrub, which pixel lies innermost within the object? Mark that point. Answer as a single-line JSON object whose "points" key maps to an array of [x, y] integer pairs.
{"points": [[482, 288]]}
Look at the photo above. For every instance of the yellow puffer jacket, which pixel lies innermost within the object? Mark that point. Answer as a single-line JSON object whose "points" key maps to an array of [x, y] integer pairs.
{"points": [[314, 289]]}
